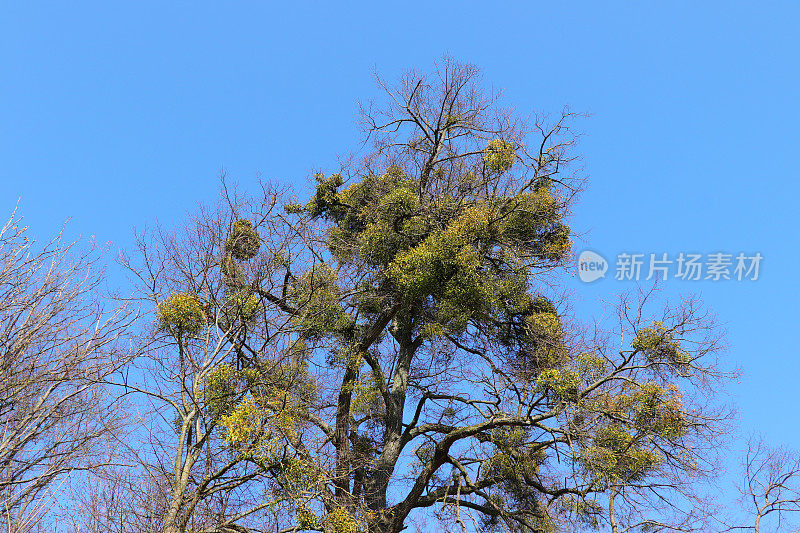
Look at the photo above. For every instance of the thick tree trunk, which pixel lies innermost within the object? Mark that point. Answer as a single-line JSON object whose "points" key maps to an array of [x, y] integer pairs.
{"points": [[341, 435], [342, 430]]}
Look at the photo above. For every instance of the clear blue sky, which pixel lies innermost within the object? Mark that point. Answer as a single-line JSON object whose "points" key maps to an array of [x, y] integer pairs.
{"points": [[116, 115]]}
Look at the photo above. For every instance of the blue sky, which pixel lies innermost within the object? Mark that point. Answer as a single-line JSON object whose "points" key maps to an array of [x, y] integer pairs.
{"points": [[117, 114]]}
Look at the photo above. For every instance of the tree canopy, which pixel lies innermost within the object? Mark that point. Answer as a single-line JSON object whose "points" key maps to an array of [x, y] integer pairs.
{"points": [[395, 349]]}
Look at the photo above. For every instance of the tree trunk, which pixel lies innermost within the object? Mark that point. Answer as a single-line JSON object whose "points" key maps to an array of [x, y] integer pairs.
{"points": [[612, 517]]}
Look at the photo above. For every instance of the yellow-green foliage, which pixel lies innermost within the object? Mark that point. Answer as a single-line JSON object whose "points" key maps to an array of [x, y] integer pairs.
{"points": [[293, 208], [182, 313], [508, 438], [499, 155], [243, 241], [659, 344], [650, 409], [317, 295], [220, 389], [325, 201], [532, 221], [592, 365], [242, 305], [450, 264], [502, 465], [527, 213], [382, 217], [302, 477], [341, 521], [471, 254], [284, 418], [233, 274], [555, 243], [258, 430], [271, 413], [543, 329], [306, 519], [365, 392], [301, 385], [565, 384], [616, 456], [284, 391], [658, 412], [395, 227], [541, 304], [644, 419], [447, 264], [297, 350], [431, 331], [545, 324], [511, 288], [585, 509], [514, 458], [243, 422], [544, 522]]}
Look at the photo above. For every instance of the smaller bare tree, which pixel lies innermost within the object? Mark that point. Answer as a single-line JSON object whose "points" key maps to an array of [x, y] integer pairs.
{"points": [[57, 343], [771, 487], [217, 332]]}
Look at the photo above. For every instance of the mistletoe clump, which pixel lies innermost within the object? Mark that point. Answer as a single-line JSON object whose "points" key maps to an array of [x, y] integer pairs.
{"points": [[181, 313], [544, 320], [317, 295], [499, 155], [659, 412], [375, 218], [449, 266], [544, 345], [466, 252], [617, 456], [517, 459], [646, 421], [563, 384], [233, 275], [659, 344], [220, 389], [532, 222], [243, 241], [243, 305], [342, 521], [306, 518], [242, 422]]}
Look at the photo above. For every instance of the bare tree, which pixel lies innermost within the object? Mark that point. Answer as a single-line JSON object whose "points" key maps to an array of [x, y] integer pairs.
{"points": [[57, 344], [207, 293], [771, 487]]}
